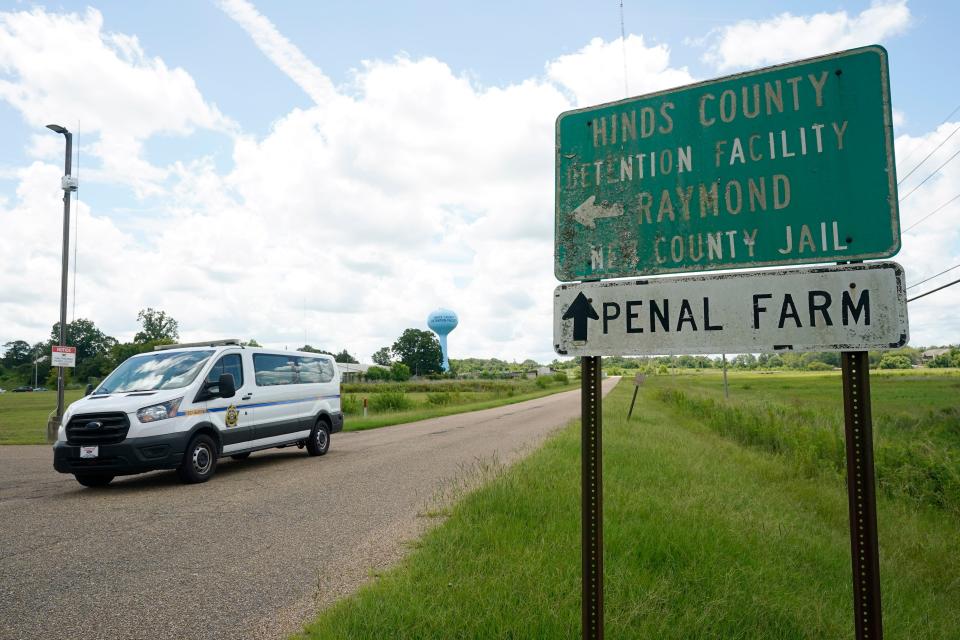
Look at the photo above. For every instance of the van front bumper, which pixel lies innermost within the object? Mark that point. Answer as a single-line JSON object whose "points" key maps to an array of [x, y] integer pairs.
{"points": [[133, 455]]}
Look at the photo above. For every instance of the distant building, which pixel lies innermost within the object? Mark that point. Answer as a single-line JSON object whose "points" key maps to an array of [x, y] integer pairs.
{"points": [[350, 372], [930, 354], [540, 371]]}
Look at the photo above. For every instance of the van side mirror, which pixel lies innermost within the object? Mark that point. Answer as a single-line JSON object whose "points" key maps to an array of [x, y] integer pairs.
{"points": [[227, 387], [88, 390]]}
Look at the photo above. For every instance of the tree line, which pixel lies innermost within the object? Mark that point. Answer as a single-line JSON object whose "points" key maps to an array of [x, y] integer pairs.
{"points": [[415, 352], [97, 353], [903, 358]]}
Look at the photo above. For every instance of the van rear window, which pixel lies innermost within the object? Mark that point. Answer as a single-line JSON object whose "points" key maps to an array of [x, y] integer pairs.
{"points": [[315, 370], [279, 369]]}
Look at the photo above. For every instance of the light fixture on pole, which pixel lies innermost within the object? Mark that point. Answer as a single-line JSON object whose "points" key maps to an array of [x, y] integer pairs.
{"points": [[68, 183], [36, 361]]}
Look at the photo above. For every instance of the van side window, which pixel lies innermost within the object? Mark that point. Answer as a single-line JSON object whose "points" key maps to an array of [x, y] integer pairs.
{"points": [[315, 370], [272, 369], [231, 364]]}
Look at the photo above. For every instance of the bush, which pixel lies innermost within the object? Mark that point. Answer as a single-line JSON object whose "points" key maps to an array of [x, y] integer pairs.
{"points": [[891, 361], [442, 398], [816, 365], [377, 373], [949, 359], [561, 377], [399, 372], [390, 401], [542, 382], [351, 405], [662, 370]]}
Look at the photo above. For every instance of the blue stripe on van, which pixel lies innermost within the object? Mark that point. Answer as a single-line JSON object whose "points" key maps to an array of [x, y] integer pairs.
{"points": [[254, 405]]}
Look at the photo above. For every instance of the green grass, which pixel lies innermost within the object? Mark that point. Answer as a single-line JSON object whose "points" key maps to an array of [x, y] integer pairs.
{"points": [[705, 538], [23, 416], [467, 402], [800, 416]]}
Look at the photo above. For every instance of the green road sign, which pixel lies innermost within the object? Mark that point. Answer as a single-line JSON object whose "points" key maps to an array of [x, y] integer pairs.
{"points": [[790, 164]]}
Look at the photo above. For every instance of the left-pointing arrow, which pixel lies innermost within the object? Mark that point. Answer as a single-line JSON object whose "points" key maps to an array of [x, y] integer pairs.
{"points": [[580, 310], [589, 210]]}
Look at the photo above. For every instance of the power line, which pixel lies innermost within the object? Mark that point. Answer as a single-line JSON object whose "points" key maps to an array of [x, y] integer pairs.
{"points": [[931, 213], [935, 171], [949, 284], [934, 276], [927, 157], [914, 152]]}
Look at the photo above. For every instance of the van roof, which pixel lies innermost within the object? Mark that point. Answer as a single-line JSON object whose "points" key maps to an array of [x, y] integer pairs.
{"points": [[232, 342], [208, 343]]}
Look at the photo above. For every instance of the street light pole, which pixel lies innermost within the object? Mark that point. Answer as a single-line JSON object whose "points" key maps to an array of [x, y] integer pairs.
{"points": [[68, 183]]}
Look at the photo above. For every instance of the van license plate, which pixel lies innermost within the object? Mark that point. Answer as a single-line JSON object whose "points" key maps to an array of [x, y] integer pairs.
{"points": [[89, 452]]}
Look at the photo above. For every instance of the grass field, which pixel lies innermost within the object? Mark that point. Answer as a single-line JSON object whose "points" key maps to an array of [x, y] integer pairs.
{"points": [[447, 400], [23, 416], [706, 537], [800, 416]]}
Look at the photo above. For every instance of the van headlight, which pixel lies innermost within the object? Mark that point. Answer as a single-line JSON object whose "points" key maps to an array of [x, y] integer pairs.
{"points": [[160, 411]]}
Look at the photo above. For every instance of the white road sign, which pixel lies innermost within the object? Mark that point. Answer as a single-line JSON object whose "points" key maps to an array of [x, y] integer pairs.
{"points": [[843, 308], [63, 357]]}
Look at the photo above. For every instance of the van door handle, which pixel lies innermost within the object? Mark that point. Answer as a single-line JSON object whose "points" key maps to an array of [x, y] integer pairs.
{"points": [[247, 397]]}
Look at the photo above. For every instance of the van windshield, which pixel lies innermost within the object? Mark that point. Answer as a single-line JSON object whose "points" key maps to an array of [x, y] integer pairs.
{"points": [[164, 370]]}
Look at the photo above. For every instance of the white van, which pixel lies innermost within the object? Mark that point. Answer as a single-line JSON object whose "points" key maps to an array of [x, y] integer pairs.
{"points": [[184, 406]]}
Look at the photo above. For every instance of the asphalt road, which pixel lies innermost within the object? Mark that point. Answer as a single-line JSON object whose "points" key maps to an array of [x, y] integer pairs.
{"points": [[253, 553]]}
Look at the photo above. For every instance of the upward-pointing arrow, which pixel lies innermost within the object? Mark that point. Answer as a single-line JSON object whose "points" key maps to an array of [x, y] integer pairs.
{"points": [[580, 309]]}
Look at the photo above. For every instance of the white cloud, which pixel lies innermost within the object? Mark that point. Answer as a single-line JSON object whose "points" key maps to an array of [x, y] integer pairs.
{"points": [[752, 43], [283, 53], [595, 74], [64, 69], [409, 189]]}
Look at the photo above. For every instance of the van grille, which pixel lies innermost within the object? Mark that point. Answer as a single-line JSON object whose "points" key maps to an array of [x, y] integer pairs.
{"points": [[112, 428]]}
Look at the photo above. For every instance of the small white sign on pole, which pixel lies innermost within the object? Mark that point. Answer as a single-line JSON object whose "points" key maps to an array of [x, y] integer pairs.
{"points": [[63, 357], [855, 307]]}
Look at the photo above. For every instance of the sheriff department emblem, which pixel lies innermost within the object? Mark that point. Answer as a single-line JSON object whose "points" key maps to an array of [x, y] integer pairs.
{"points": [[232, 415]]}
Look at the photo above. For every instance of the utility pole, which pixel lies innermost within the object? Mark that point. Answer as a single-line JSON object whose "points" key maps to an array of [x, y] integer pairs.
{"points": [[68, 183]]}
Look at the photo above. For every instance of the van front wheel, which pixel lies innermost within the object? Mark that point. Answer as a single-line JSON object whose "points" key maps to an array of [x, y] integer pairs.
{"points": [[319, 441], [199, 460]]}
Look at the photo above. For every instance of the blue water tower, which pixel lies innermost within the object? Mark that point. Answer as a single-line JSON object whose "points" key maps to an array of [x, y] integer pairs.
{"points": [[442, 322]]}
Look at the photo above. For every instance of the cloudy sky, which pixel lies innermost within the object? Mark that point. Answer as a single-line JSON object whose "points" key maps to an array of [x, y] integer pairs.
{"points": [[330, 172]]}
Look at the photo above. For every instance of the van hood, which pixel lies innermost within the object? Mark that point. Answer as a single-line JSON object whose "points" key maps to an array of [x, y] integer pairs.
{"points": [[129, 402]]}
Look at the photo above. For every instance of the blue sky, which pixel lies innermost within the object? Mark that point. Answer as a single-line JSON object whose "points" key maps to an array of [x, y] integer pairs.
{"points": [[205, 125], [496, 43]]}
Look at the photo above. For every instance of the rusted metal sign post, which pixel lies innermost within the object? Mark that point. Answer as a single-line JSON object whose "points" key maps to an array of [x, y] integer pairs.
{"points": [[591, 502], [861, 495]]}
